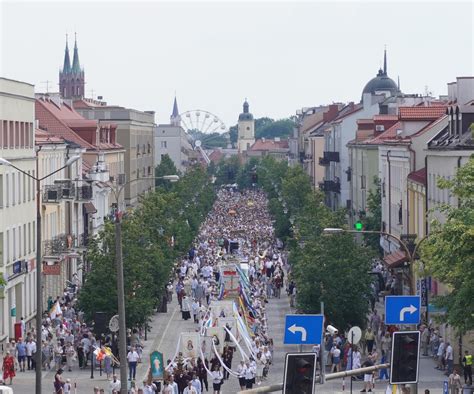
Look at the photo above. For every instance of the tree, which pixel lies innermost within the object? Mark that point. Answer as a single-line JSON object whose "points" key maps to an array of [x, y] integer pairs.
{"points": [[448, 252], [334, 269], [282, 128], [373, 219], [166, 167]]}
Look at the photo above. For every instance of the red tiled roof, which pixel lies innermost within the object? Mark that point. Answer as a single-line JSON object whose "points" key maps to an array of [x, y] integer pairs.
{"points": [[64, 121], [43, 137], [388, 134], [53, 125], [385, 117], [418, 176], [421, 113], [216, 155], [269, 145]]}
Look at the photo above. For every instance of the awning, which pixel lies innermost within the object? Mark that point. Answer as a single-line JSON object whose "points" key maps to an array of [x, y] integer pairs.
{"points": [[89, 208], [395, 259]]}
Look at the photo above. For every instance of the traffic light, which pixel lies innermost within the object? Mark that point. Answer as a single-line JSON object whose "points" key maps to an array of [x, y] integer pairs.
{"points": [[358, 226], [405, 357], [300, 372]]}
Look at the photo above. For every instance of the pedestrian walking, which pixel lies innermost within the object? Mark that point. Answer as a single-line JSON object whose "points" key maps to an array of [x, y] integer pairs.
{"points": [[467, 367], [8, 367], [217, 379], [58, 382], [454, 382], [132, 358]]}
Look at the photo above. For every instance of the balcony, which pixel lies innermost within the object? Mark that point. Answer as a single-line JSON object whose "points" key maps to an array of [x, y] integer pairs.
{"points": [[84, 193], [57, 192], [331, 156], [330, 186], [323, 161], [58, 245]]}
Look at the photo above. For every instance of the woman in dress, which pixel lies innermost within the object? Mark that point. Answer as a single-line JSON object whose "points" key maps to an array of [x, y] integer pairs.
{"points": [[217, 378], [58, 382], [8, 367]]}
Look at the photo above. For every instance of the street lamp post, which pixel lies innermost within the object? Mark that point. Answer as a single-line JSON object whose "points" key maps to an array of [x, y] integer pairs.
{"points": [[39, 304], [122, 345]]}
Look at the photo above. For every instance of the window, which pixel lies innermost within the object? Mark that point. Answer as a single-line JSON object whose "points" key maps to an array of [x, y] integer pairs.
{"points": [[24, 187], [164, 144], [17, 134], [149, 148], [34, 236], [19, 187], [7, 248], [1, 249], [7, 190], [5, 134], [13, 189], [11, 140], [362, 181], [14, 243], [1, 191], [32, 180], [138, 149], [400, 213], [29, 237], [24, 239]]}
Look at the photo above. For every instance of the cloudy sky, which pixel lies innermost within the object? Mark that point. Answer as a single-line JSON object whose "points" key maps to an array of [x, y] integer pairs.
{"points": [[281, 55]]}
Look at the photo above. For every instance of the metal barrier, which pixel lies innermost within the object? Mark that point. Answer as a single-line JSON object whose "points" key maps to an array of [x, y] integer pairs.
{"points": [[330, 376]]}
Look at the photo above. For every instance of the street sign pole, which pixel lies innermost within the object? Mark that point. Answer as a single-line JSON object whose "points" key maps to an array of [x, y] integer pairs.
{"points": [[352, 354]]}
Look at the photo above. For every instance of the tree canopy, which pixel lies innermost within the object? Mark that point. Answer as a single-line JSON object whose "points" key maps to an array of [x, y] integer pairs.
{"points": [[448, 252], [154, 235]]}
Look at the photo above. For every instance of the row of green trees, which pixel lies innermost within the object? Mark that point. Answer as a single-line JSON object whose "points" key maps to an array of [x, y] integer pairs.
{"points": [[155, 234]]}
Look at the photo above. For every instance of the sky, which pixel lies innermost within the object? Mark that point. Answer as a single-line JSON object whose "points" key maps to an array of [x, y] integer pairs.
{"points": [[282, 56]]}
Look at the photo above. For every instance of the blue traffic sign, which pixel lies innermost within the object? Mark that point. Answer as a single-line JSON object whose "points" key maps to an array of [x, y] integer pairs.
{"points": [[402, 309], [303, 329]]}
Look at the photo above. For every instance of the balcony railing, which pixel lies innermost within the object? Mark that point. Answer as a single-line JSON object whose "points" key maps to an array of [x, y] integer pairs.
{"points": [[331, 156], [84, 192], [330, 186], [58, 191], [58, 245]]}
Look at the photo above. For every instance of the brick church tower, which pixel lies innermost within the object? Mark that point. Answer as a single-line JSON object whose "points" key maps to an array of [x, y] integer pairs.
{"points": [[71, 79]]}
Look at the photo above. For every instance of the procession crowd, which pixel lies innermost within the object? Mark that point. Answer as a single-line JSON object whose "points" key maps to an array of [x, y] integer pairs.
{"points": [[239, 229]]}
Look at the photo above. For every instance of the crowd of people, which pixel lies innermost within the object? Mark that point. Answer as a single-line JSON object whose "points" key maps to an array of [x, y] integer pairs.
{"points": [[238, 229]]}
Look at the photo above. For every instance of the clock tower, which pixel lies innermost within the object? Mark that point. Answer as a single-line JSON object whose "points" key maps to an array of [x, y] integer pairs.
{"points": [[246, 129]]}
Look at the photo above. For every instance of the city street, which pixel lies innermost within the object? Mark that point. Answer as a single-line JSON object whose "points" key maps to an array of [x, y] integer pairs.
{"points": [[163, 337]]}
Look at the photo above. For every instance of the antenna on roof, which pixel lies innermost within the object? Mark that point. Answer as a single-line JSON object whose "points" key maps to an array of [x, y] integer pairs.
{"points": [[92, 91], [398, 82], [47, 83]]}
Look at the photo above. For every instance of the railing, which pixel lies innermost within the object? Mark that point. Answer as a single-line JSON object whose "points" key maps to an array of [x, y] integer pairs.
{"points": [[84, 192], [330, 186], [58, 191], [331, 156], [59, 244]]}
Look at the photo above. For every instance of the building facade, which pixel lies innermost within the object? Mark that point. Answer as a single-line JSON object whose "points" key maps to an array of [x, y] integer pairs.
{"points": [[135, 134], [18, 266]]}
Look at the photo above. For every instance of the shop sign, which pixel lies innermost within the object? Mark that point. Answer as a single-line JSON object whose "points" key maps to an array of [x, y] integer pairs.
{"points": [[54, 269]]}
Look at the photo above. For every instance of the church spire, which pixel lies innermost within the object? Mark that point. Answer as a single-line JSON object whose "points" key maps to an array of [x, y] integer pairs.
{"points": [[385, 61], [76, 68], [67, 61], [175, 118]]}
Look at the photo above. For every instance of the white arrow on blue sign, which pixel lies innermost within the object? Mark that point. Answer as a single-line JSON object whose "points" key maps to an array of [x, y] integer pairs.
{"points": [[301, 329], [402, 309]]}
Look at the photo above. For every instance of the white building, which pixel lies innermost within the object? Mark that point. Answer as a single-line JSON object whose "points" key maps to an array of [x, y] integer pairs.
{"points": [[246, 129], [17, 206], [172, 140]]}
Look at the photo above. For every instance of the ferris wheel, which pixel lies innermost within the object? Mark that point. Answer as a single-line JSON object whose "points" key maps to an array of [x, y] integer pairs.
{"points": [[202, 121]]}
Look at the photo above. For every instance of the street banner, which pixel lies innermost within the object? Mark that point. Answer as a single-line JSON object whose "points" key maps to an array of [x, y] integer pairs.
{"points": [[189, 344]]}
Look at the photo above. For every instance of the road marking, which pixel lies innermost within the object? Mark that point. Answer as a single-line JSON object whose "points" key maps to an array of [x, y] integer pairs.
{"points": [[294, 329], [411, 309]]}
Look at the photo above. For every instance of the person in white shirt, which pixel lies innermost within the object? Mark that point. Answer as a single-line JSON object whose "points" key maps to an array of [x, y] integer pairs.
{"points": [[149, 388], [190, 389], [217, 378], [173, 385], [241, 374], [114, 384], [249, 375], [67, 387], [196, 384], [132, 358]]}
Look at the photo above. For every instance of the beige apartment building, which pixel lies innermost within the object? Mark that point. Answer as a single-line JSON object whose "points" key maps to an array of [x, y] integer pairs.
{"points": [[135, 134], [17, 206]]}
